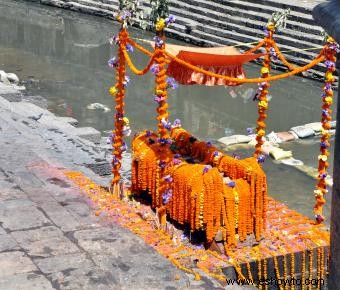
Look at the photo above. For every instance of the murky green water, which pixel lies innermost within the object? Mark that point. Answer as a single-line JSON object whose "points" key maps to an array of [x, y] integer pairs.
{"points": [[62, 56]]}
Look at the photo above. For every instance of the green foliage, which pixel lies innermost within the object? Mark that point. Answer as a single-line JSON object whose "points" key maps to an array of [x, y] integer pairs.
{"points": [[159, 9], [131, 12], [279, 19]]}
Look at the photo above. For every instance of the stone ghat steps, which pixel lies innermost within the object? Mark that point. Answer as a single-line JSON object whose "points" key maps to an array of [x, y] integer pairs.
{"points": [[236, 22], [195, 37]]}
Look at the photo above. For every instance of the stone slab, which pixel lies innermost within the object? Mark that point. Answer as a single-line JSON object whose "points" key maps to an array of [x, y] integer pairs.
{"points": [[88, 133], [45, 242], [63, 263], [15, 263], [22, 217], [69, 120], [85, 279], [27, 281], [7, 243]]}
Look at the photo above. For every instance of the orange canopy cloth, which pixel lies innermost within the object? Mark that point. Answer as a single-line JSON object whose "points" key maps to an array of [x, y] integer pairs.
{"points": [[224, 60]]}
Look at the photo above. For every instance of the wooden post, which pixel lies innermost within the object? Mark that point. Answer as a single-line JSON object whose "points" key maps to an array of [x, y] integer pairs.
{"points": [[326, 14]]}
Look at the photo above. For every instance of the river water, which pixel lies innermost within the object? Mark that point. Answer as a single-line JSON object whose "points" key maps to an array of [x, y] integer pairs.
{"points": [[63, 55]]}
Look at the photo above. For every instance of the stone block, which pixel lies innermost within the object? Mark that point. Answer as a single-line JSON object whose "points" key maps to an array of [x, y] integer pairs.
{"points": [[7, 243], [60, 216], [84, 278], [45, 242], [69, 120], [88, 133], [64, 262], [15, 263], [22, 217], [26, 281]]}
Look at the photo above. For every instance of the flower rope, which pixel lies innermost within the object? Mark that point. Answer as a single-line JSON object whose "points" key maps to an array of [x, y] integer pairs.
{"points": [[118, 91], [133, 68], [327, 98], [255, 48], [296, 71], [262, 98]]}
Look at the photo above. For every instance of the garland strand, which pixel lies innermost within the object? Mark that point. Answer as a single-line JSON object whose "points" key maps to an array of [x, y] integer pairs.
{"points": [[262, 98], [327, 98], [118, 91]]}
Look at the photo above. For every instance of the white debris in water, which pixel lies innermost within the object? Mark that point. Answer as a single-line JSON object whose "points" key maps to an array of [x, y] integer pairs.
{"points": [[98, 106]]}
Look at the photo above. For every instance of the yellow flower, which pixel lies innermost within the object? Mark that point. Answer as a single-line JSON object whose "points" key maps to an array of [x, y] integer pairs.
{"points": [[159, 92], [126, 121], [263, 104], [264, 70], [261, 132], [328, 100], [323, 157], [330, 39], [113, 91], [160, 24], [270, 26]]}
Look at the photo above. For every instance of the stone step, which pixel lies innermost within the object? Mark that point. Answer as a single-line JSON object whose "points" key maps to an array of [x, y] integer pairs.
{"points": [[255, 27]]}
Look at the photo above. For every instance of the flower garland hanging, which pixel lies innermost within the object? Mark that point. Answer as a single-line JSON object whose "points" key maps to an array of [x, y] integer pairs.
{"points": [[261, 96], [121, 123], [330, 51]]}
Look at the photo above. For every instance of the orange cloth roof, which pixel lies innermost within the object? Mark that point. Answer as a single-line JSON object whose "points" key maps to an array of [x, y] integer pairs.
{"points": [[226, 60]]}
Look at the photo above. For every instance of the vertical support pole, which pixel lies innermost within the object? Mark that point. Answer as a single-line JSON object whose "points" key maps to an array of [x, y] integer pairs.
{"points": [[162, 118], [118, 91], [262, 95], [334, 263], [327, 100]]}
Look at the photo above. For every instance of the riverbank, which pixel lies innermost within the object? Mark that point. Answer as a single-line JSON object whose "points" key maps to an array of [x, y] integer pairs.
{"points": [[213, 23]]}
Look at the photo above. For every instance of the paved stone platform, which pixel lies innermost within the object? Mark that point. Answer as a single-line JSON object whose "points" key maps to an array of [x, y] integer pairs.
{"points": [[50, 238]]}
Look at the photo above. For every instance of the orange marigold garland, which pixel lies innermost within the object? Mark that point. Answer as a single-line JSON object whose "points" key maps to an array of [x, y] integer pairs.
{"points": [[261, 96], [330, 51], [121, 122]]}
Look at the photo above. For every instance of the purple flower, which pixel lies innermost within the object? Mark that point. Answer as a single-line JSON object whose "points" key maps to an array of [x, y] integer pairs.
{"points": [[163, 141], [148, 133], [319, 218], [177, 161], [113, 62], [124, 147], [177, 123], [167, 195], [115, 161], [154, 68], [216, 153], [323, 145], [206, 168], [231, 183], [236, 156], [170, 19], [166, 125], [177, 155], [126, 81], [209, 144], [329, 64], [114, 40], [261, 158], [168, 178], [129, 47], [325, 113], [158, 99], [323, 175], [272, 53], [334, 46], [250, 131], [110, 138], [172, 83], [158, 41], [327, 87], [162, 164]]}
